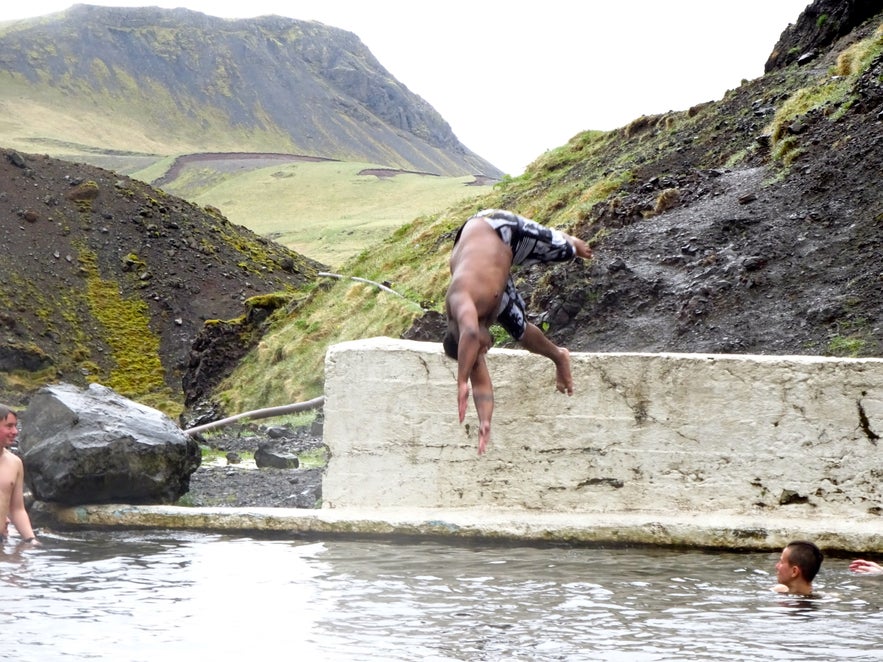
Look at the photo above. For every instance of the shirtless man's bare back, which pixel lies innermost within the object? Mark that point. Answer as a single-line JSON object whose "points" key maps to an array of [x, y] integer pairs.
{"points": [[482, 292]]}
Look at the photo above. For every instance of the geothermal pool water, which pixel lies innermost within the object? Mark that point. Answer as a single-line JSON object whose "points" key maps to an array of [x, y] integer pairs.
{"points": [[148, 595]]}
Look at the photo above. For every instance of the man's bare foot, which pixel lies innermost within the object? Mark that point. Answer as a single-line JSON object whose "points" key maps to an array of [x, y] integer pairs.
{"points": [[562, 372]]}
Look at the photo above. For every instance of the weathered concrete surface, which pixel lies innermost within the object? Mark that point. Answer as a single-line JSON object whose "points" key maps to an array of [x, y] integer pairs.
{"points": [[661, 433], [710, 530], [767, 438]]}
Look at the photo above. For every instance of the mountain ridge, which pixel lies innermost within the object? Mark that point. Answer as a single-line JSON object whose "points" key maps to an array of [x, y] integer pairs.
{"points": [[181, 81]]}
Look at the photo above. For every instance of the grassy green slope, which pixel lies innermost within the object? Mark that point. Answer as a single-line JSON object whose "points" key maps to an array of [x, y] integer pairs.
{"points": [[328, 211], [288, 365], [79, 121]]}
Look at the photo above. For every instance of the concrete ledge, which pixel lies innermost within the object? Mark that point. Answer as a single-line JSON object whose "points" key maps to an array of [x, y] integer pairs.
{"points": [[710, 530]]}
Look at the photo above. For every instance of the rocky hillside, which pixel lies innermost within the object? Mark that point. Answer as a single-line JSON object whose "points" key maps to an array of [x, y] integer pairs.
{"points": [[109, 280], [122, 83], [752, 225]]}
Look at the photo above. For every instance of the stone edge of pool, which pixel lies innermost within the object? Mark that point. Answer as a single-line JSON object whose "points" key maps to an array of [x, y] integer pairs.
{"points": [[708, 530]]}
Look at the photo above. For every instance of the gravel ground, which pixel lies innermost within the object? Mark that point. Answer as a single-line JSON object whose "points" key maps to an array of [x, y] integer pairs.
{"points": [[235, 480]]}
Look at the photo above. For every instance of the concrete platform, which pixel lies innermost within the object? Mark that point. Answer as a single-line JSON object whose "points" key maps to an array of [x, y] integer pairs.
{"points": [[704, 530]]}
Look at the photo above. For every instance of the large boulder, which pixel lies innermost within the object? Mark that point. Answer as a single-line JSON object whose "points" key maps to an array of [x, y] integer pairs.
{"points": [[92, 445]]}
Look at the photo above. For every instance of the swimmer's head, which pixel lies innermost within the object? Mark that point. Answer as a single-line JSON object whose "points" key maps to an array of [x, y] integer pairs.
{"points": [[806, 556]]}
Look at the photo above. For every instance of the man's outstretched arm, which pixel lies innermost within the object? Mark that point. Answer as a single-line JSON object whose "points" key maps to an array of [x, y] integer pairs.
{"points": [[483, 397], [468, 355], [472, 370]]}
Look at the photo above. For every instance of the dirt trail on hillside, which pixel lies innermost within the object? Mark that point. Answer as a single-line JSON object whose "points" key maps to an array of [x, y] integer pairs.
{"points": [[236, 161], [232, 161]]}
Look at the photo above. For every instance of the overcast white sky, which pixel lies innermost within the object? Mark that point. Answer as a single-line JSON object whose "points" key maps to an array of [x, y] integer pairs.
{"points": [[516, 79]]}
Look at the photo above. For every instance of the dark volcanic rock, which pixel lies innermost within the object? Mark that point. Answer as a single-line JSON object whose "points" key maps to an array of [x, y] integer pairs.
{"points": [[92, 446], [820, 24]]}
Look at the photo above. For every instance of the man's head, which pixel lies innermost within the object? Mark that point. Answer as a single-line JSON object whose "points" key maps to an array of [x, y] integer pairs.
{"points": [[451, 344], [451, 341], [799, 559], [8, 426]]}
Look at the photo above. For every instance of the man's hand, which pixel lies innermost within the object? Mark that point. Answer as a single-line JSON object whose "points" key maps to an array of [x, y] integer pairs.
{"points": [[482, 401], [484, 435], [865, 567]]}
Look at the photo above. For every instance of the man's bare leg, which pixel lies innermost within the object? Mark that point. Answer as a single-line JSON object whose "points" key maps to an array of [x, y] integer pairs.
{"points": [[536, 341]]}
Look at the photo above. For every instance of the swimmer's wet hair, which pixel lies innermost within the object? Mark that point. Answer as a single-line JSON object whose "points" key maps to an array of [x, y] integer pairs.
{"points": [[806, 556]]}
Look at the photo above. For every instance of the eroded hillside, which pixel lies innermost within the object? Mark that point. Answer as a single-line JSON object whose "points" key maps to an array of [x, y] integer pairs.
{"points": [[109, 280]]}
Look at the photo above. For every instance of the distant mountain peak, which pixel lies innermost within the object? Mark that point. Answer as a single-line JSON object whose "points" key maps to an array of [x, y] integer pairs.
{"points": [[176, 80]]}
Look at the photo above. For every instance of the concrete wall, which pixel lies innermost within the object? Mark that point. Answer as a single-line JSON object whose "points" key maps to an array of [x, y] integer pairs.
{"points": [[770, 436]]}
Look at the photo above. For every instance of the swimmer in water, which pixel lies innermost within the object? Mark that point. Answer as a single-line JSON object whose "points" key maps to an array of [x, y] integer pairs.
{"points": [[797, 567], [12, 504]]}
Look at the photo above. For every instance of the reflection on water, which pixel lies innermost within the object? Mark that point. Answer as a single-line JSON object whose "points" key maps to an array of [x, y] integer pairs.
{"points": [[181, 595]]}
